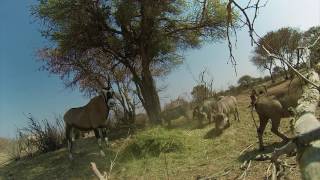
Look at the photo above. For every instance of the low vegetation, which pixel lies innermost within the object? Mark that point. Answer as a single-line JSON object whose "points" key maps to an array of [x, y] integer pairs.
{"points": [[155, 141], [43, 136], [181, 152], [37, 138], [4, 156]]}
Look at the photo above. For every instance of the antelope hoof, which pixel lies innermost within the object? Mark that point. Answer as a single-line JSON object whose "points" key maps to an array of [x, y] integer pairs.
{"points": [[102, 153]]}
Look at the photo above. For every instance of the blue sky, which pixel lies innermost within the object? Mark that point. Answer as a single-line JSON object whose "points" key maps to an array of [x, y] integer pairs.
{"points": [[24, 89]]}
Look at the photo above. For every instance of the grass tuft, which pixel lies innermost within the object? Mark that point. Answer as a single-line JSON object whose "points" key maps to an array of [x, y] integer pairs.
{"points": [[155, 141]]}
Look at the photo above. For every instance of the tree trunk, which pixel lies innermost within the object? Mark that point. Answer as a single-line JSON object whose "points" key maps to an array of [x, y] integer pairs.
{"points": [[270, 71], [271, 76], [285, 71], [147, 87], [150, 96], [298, 59]]}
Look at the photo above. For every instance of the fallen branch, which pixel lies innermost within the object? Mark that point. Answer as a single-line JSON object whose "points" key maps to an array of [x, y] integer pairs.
{"points": [[277, 169], [97, 172], [291, 67]]}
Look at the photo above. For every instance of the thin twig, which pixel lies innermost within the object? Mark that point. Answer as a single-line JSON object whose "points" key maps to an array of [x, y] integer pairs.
{"points": [[291, 67], [105, 175], [166, 166], [274, 172], [113, 162], [268, 170], [245, 149], [244, 174]]}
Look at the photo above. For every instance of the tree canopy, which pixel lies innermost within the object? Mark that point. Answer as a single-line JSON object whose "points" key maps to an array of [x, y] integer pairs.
{"points": [[144, 38], [309, 38], [245, 80], [284, 43]]}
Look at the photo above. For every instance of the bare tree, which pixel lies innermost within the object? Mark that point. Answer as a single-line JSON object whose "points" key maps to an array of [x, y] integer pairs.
{"points": [[204, 88], [127, 94]]}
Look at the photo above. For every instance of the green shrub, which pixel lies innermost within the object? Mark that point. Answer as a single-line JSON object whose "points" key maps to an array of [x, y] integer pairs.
{"points": [[155, 141]]}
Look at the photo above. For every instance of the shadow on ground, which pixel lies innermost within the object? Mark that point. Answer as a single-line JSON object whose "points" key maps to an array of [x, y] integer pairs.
{"points": [[213, 133], [249, 155], [121, 132], [182, 123]]}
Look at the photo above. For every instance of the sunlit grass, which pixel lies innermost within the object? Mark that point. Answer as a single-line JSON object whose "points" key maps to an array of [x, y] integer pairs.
{"points": [[195, 153]]}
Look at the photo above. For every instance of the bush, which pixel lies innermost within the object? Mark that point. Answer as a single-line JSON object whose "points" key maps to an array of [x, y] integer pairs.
{"points": [[266, 78], [245, 81], [258, 80], [42, 136], [155, 141]]}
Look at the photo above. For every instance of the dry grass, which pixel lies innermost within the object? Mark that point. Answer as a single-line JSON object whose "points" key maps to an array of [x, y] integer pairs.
{"points": [[204, 153], [4, 143]]}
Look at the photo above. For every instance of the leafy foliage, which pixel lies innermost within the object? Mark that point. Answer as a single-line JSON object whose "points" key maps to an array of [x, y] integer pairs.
{"points": [[283, 43], [201, 92], [245, 80], [93, 39], [309, 37], [179, 101], [118, 31]]}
